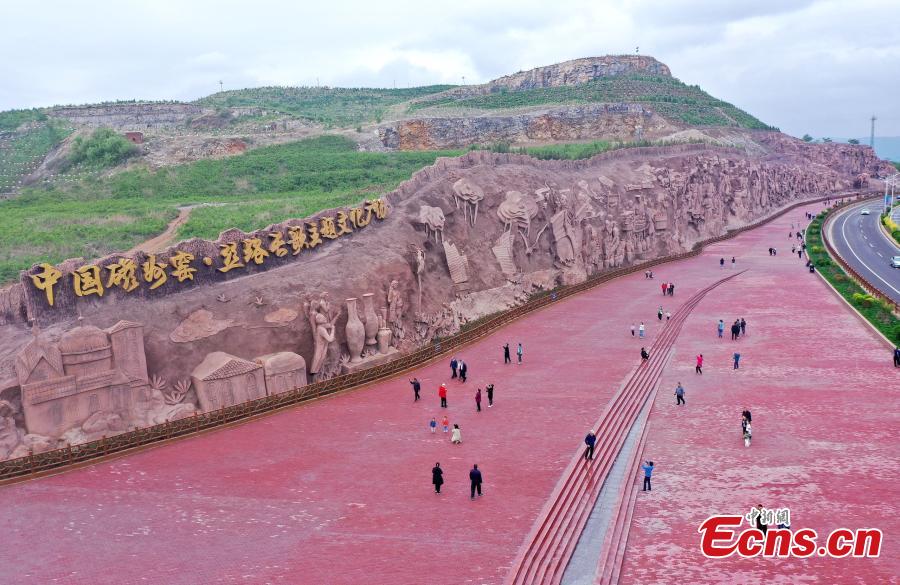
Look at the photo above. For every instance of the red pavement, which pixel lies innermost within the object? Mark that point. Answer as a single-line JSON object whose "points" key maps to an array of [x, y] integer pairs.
{"points": [[824, 399], [339, 491]]}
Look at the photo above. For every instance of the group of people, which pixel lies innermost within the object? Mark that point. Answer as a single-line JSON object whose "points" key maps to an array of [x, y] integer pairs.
{"points": [[648, 274], [738, 328], [475, 479], [519, 353], [459, 369], [668, 288], [722, 262]]}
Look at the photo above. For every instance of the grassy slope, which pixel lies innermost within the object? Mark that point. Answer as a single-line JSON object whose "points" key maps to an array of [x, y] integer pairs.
{"points": [[666, 95], [330, 106], [102, 215], [21, 152]]}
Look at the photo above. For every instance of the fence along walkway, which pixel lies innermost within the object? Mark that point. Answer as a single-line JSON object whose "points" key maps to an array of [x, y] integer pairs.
{"points": [[550, 545], [31, 465]]}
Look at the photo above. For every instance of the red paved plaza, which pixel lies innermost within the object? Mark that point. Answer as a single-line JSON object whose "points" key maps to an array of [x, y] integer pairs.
{"points": [[339, 491]]}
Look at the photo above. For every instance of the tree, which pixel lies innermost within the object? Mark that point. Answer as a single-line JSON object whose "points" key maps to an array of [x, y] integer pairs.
{"points": [[853, 141], [807, 138], [826, 139]]}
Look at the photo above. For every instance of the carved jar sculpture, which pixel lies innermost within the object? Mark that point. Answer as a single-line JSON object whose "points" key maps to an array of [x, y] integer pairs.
{"points": [[385, 334], [372, 322], [356, 332]]}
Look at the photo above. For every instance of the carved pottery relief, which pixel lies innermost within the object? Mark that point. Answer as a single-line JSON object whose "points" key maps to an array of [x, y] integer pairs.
{"points": [[468, 194]]}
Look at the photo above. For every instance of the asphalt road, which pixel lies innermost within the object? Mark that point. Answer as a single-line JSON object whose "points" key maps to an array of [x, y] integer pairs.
{"points": [[860, 242]]}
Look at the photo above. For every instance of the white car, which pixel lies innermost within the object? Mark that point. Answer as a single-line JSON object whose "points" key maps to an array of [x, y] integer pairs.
{"points": [[895, 261], [865, 211]]}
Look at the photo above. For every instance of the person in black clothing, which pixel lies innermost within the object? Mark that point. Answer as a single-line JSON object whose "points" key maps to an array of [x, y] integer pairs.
{"points": [[721, 262], [735, 330], [453, 365], [416, 386], [897, 357], [644, 355], [463, 370], [759, 521], [490, 394], [746, 419], [590, 440], [506, 358], [671, 289], [475, 479], [437, 477], [743, 327]]}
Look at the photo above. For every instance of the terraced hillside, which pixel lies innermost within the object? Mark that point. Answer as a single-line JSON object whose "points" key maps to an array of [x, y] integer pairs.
{"points": [[333, 107], [667, 96], [24, 144]]}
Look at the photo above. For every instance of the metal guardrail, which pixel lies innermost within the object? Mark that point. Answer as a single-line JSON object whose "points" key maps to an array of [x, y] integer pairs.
{"points": [[845, 266], [22, 468]]}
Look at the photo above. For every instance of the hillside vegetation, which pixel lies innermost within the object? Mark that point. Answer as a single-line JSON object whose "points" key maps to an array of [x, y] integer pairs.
{"points": [[22, 151], [328, 106], [101, 215], [668, 96]]}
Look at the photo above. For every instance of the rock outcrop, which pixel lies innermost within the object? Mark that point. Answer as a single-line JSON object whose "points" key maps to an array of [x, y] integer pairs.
{"points": [[578, 71], [135, 116], [623, 122]]}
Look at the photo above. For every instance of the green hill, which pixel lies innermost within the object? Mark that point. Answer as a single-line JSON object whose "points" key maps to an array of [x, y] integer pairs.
{"points": [[336, 106], [668, 96]]}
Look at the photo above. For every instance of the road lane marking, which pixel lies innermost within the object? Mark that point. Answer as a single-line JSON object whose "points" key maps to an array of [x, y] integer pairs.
{"points": [[852, 251]]}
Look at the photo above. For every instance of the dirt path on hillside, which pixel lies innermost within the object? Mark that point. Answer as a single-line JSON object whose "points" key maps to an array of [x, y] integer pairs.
{"points": [[167, 237]]}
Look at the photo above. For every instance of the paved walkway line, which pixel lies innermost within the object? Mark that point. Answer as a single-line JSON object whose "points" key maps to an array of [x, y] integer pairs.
{"points": [[550, 545]]}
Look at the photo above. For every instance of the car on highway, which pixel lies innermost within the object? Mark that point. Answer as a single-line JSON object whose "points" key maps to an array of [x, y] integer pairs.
{"points": [[895, 261], [865, 211]]}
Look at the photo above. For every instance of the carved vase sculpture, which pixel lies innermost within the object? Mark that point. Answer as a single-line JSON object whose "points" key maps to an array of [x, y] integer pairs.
{"points": [[356, 332], [371, 319], [384, 333]]}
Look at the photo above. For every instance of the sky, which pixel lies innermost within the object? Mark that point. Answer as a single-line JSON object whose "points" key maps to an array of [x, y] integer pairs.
{"points": [[822, 67]]}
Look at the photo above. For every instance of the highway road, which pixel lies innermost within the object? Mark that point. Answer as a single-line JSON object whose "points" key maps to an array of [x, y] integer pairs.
{"points": [[859, 241]]}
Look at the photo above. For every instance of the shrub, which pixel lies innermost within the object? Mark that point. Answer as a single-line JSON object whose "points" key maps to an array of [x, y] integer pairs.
{"points": [[104, 148]]}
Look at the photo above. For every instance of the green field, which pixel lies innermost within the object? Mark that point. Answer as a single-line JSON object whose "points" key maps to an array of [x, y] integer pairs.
{"points": [[666, 95], [98, 216], [342, 107]]}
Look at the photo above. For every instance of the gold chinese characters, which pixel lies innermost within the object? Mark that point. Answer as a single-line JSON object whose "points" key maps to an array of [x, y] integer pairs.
{"points": [[127, 274]]}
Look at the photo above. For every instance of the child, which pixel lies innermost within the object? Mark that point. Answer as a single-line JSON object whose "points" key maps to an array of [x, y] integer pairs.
{"points": [[445, 422], [432, 425], [748, 434], [456, 436]]}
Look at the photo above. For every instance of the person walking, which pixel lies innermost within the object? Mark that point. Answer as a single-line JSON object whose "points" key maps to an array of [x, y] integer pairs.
{"points": [[445, 423], [732, 262], [442, 394], [748, 434], [644, 355], [743, 327], [745, 420], [671, 289], [659, 313], [432, 425], [679, 394], [456, 435], [437, 477], [416, 386], [735, 330], [897, 357], [463, 370], [490, 395], [590, 440], [721, 262], [664, 286], [476, 479], [720, 328], [453, 366], [632, 329], [668, 315], [737, 360], [478, 400], [760, 523], [641, 330], [699, 368], [519, 352], [800, 254], [648, 471], [506, 358]]}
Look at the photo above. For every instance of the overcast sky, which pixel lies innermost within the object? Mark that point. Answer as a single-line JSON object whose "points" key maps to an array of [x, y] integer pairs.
{"points": [[822, 67]]}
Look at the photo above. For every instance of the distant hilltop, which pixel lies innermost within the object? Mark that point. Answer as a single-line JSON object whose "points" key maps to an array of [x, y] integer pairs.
{"points": [[578, 71]]}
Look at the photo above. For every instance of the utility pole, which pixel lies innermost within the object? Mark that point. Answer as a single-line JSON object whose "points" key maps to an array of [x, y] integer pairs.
{"points": [[872, 135], [220, 85]]}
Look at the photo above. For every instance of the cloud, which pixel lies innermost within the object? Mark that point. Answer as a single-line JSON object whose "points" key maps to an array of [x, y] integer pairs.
{"points": [[817, 66]]}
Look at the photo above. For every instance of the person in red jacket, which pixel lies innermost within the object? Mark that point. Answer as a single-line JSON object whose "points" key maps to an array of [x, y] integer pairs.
{"points": [[699, 368], [442, 392], [665, 287]]}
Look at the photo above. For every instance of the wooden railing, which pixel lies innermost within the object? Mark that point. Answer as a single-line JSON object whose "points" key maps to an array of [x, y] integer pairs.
{"points": [[33, 464]]}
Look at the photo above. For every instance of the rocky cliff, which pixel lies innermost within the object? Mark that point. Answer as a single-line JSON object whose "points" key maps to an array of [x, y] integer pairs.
{"points": [[623, 122], [578, 71], [131, 116]]}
